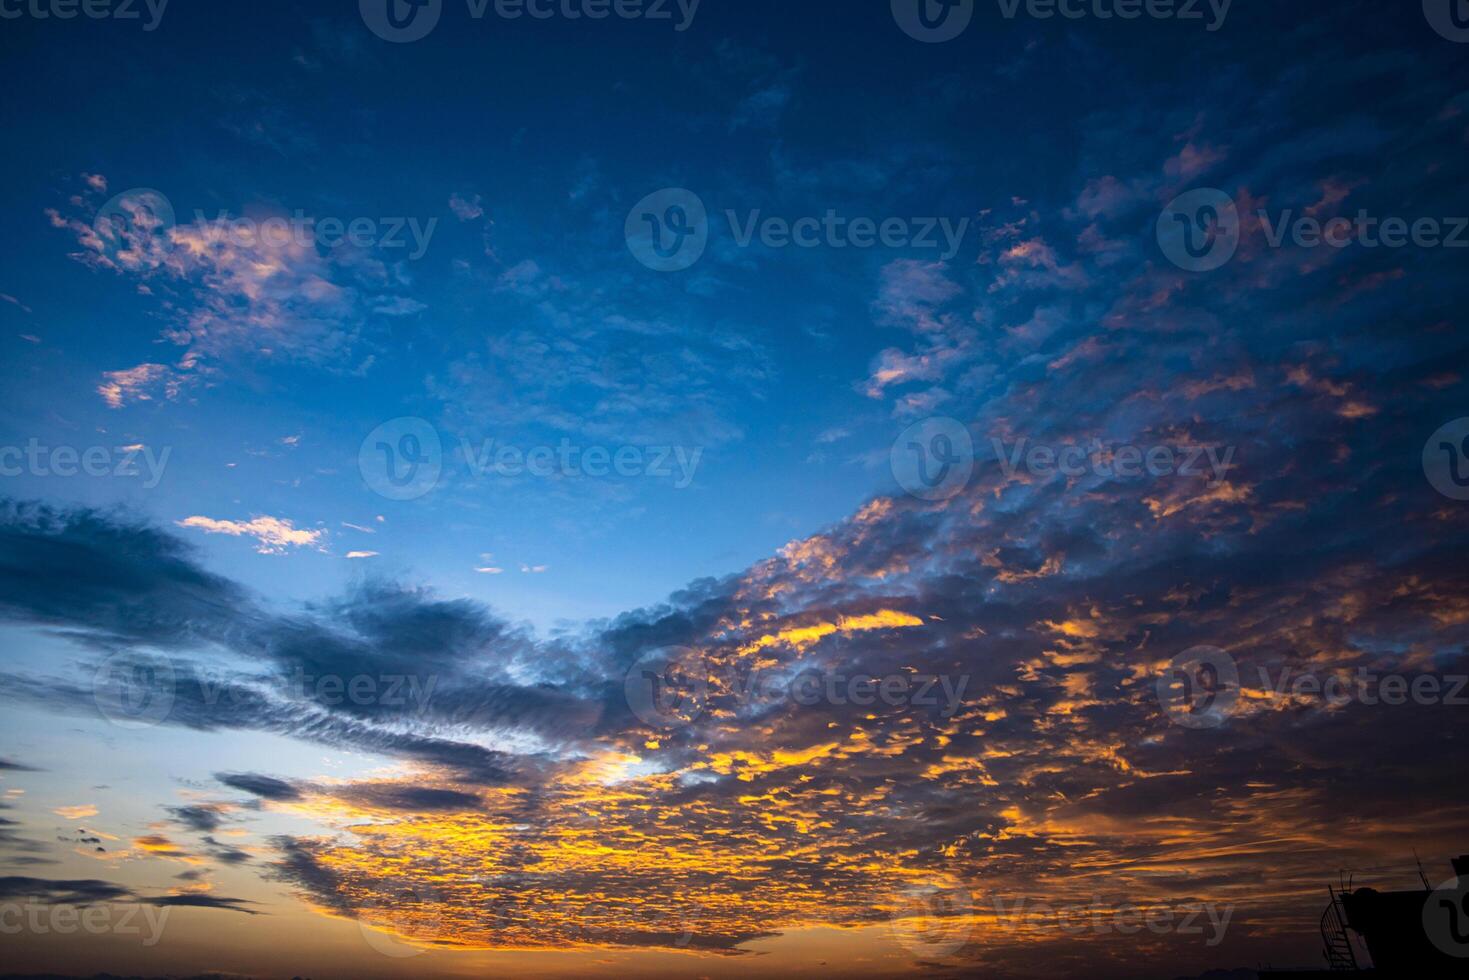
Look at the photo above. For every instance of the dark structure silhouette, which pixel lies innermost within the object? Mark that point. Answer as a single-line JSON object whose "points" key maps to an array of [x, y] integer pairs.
{"points": [[1422, 933]]}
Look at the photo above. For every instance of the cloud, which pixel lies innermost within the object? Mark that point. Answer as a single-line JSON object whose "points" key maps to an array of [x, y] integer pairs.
{"points": [[78, 812], [139, 383], [7, 298], [414, 799], [225, 852], [83, 891], [572, 361], [141, 584], [430, 661], [273, 534], [761, 109], [156, 845], [234, 288], [265, 787], [196, 900], [466, 207], [399, 306], [201, 817]]}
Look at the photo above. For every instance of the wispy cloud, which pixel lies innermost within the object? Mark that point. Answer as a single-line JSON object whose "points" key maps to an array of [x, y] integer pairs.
{"points": [[273, 535]]}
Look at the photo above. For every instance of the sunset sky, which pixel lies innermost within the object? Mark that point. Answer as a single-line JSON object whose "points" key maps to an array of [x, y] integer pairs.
{"points": [[743, 489]]}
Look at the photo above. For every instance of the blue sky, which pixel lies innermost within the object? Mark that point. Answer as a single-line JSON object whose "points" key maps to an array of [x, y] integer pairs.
{"points": [[780, 340], [1032, 295], [756, 356]]}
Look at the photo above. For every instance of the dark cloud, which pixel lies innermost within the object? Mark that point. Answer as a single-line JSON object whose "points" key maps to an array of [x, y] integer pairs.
{"points": [[84, 891], [107, 579], [225, 852], [205, 818], [201, 901], [265, 787], [301, 867], [89, 891], [411, 798], [12, 841], [359, 671]]}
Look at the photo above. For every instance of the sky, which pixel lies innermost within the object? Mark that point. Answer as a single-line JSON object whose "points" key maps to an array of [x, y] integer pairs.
{"points": [[701, 489]]}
